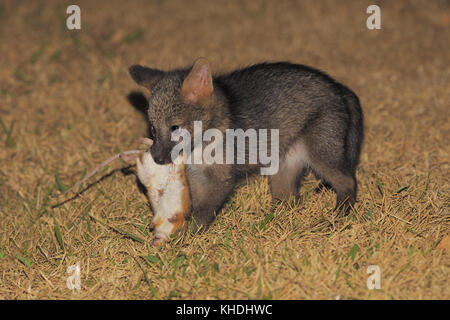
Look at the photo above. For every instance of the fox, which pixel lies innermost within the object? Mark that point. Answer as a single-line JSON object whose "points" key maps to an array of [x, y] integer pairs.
{"points": [[319, 122]]}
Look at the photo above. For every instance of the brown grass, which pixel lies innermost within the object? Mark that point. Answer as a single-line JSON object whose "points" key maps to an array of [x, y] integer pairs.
{"points": [[63, 106]]}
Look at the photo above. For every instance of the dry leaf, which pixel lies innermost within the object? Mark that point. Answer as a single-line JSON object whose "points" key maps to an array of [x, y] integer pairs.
{"points": [[445, 243]]}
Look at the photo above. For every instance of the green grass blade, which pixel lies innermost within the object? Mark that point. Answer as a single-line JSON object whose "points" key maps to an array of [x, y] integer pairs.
{"points": [[353, 252], [25, 260], [401, 189], [35, 56], [59, 183], [426, 187], [58, 235]]}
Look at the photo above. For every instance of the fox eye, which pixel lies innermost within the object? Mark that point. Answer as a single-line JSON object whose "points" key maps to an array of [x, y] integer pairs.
{"points": [[152, 131], [175, 128]]}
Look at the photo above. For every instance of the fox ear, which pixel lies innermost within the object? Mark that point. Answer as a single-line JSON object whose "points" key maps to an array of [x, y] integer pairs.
{"points": [[198, 85], [144, 76]]}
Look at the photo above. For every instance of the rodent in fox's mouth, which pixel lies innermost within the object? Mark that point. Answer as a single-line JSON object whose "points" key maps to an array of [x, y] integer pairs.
{"points": [[168, 194]]}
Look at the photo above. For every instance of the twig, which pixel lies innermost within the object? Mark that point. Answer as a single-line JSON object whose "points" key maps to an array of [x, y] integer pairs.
{"points": [[85, 188], [118, 230], [124, 155], [149, 283]]}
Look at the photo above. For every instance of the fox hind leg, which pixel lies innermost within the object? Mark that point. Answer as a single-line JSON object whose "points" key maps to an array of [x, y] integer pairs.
{"points": [[292, 169], [329, 163], [343, 183]]}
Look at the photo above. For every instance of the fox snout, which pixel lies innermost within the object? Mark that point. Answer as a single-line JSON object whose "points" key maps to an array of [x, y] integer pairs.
{"points": [[161, 153]]}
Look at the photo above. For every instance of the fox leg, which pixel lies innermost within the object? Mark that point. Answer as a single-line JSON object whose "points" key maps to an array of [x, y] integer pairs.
{"points": [[330, 166], [287, 181], [210, 186], [344, 185], [284, 184]]}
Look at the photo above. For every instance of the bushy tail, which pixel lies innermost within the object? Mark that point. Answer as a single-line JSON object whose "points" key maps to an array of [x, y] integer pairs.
{"points": [[355, 134]]}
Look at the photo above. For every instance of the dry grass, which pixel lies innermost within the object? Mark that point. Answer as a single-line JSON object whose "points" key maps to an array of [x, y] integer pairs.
{"points": [[62, 103]]}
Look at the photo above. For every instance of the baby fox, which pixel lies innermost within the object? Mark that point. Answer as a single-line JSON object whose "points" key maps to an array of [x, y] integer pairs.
{"points": [[319, 123], [168, 192]]}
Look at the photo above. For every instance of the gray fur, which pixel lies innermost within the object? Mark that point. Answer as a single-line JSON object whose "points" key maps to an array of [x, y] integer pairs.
{"points": [[320, 126]]}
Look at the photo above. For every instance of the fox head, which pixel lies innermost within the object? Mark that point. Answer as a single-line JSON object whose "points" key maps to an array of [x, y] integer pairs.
{"points": [[176, 99]]}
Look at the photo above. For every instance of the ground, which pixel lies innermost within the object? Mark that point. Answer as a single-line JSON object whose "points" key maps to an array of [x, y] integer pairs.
{"points": [[63, 110]]}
